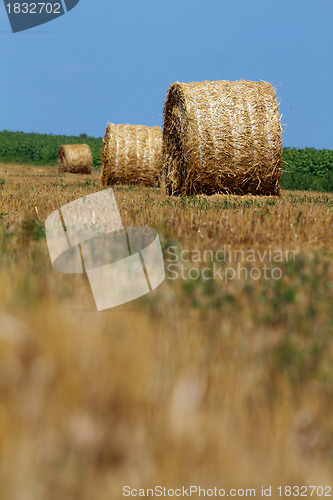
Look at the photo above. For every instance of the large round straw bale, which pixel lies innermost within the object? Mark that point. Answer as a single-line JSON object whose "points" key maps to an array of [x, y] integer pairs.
{"points": [[222, 137], [132, 154], [75, 158]]}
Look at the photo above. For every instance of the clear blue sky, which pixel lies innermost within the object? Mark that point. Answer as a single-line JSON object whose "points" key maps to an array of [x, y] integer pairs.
{"points": [[109, 60]]}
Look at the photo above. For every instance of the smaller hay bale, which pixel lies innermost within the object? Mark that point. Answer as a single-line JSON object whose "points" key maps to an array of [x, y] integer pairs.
{"points": [[131, 154], [75, 158]]}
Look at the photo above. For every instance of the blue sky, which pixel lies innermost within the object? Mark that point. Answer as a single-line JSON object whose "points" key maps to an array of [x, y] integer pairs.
{"points": [[113, 61]]}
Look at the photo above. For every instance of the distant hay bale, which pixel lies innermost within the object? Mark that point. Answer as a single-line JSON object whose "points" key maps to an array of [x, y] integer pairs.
{"points": [[132, 154], [222, 137], [75, 158]]}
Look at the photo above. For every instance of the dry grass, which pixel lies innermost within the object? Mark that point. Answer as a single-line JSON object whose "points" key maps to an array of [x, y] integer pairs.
{"points": [[222, 137], [75, 158], [197, 383]]}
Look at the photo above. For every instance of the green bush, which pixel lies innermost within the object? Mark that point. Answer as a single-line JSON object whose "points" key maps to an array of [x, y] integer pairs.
{"points": [[308, 169]]}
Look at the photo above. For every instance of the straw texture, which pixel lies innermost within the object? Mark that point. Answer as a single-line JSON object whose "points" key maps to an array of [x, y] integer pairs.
{"points": [[222, 137], [75, 158], [132, 154]]}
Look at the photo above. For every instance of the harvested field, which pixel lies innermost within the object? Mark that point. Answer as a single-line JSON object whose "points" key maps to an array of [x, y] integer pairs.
{"points": [[221, 377]]}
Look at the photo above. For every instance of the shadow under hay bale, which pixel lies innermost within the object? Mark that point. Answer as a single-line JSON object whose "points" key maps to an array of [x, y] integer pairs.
{"points": [[222, 137], [132, 154], [75, 158]]}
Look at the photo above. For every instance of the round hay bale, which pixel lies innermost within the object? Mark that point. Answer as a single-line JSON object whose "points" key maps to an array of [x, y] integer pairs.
{"points": [[222, 137], [75, 158], [132, 154]]}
